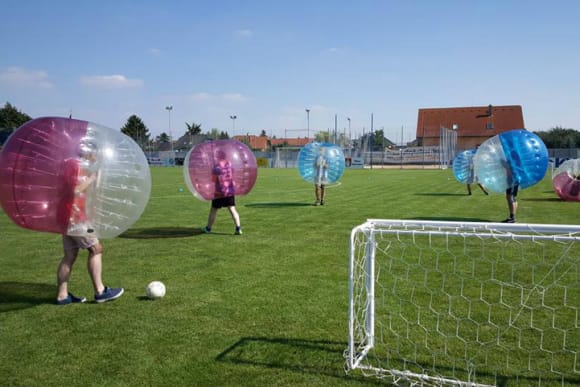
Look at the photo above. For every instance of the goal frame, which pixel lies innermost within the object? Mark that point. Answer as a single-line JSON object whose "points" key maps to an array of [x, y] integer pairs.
{"points": [[356, 352]]}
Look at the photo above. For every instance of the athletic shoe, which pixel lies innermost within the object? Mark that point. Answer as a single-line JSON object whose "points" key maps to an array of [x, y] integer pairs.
{"points": [[71, 299], [238, 231], [509, 220], [109, 294], [207, 230]]}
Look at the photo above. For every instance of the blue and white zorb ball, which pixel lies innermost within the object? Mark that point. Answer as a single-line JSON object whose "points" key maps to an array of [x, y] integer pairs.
{"points": [[334, 159], [463, 167], [517, 157]]}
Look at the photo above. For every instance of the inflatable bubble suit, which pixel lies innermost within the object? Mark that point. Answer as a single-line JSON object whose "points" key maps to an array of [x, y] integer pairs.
{"points": [[73, 177], [463, 167], [332, 154], [566, 180], [220, 168], [517, 157]]}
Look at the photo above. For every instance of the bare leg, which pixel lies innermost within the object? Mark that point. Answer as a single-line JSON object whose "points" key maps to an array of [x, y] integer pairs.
{"points": [[513, 207], [95, 266], [211, 217], [64, 272], [317, 193], [482, 188], [322, 191], [235, 216]]}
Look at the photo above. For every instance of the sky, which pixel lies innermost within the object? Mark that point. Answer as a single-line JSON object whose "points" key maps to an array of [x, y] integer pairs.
{"points": [[375, 62]]}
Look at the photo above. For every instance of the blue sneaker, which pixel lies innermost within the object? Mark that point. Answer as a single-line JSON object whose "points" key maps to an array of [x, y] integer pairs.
{"points": [[71, 299], [109, 294]]}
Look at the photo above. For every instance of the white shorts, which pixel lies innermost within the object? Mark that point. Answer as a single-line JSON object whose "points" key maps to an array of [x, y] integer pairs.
{"points": [[77, 242]]}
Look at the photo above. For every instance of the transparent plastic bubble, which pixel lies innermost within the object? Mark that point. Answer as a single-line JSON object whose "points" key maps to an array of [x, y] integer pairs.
{"points": [[332, 157], [220, 168], [566, 180], [73, 177], [517, 157], [463, 169]]}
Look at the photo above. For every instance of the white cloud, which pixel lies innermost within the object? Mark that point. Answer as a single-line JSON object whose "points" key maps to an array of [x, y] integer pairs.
{"points": [[19, 77], [111, 82], [226, 97], [154, 51], [244, 33]]}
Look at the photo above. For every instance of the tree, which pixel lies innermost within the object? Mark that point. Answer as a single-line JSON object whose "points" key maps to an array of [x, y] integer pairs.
{"points": [[214, 133], [136, 129], [559, 137], [193, 129], [322, 136], [12, 118], [162, 138]]}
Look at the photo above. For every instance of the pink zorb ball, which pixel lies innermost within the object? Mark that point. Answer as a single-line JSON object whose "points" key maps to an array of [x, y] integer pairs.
{"points": [[73, 177], [566, 180], [220, 168]]}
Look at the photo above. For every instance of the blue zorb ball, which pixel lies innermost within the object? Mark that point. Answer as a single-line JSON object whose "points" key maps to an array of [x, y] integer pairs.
{"points": [[517, 157], [333, 158], [463, 167]]}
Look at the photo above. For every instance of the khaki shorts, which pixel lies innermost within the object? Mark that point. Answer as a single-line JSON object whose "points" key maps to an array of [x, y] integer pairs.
{"points": [[76, 242]]}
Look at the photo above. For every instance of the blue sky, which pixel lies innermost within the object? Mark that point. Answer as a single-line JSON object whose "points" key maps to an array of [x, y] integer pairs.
{"points": [[267, 61]]}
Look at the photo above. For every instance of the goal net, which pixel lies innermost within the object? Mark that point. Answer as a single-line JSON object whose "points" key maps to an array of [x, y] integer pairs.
{"points": [[470, 304]]}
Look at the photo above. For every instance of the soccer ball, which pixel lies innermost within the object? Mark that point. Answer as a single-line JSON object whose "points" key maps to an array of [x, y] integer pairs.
{"points": [[155, 290]]}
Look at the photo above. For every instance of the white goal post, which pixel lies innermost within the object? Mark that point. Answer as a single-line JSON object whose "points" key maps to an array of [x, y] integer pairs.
{"points": [[467, 304]]}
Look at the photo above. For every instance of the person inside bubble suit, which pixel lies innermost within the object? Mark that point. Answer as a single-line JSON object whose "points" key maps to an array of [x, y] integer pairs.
{"points": [[85, 174], [82, 172], [320, 176], [473, 178], [224, 196]]}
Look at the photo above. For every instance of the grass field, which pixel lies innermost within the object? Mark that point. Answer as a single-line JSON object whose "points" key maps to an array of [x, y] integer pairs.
{"points": [[265, 308]]}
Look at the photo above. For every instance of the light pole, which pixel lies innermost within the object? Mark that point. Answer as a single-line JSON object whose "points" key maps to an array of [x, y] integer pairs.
{"points": [[308, 123], [349, 136], [233, 125], [169, 109]]}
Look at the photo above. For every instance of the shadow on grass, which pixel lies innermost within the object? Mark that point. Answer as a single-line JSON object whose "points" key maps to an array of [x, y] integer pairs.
{"points": [[23, 295], [323, 357], [439, 194], [540, 199], [319, 357], [163, 232], [277, 204]]}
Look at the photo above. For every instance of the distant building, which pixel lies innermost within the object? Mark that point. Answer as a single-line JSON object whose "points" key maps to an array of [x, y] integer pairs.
{"points": [[265, 143], [473, 124]]}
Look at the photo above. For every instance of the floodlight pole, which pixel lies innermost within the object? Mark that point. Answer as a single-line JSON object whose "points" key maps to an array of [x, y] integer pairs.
{"points": [[233, 118], [308, 123], [169, 109]]}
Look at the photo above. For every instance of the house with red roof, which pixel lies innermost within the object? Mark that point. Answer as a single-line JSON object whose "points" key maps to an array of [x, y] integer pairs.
{"points": [[473, 124]]}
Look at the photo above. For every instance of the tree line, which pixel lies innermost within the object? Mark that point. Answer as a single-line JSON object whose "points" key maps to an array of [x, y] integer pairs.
{"points": [[12, 118]]}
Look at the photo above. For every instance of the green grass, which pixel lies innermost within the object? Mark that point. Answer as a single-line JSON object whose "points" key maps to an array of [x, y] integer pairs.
{"points": [[265, 308]]}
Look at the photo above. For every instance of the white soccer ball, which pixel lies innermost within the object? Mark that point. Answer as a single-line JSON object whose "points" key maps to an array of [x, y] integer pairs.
{"points": [[155, 290]]}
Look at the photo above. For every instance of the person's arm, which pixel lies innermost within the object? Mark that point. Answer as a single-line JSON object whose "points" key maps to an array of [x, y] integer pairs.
{"points": [[85, 183]]}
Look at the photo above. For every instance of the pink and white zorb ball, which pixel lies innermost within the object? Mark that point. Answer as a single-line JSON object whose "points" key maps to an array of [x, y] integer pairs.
{"points": [[205, 162], [73, 177], [566, 180]]}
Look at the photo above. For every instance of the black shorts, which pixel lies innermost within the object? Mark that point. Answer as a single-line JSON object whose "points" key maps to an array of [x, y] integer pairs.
{"points": [[513, 191], [224, 202]]}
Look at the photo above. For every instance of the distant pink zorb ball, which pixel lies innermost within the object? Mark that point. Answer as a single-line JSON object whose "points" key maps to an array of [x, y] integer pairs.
{"points": [[73, 177], [220, 168], [566, 180]]}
